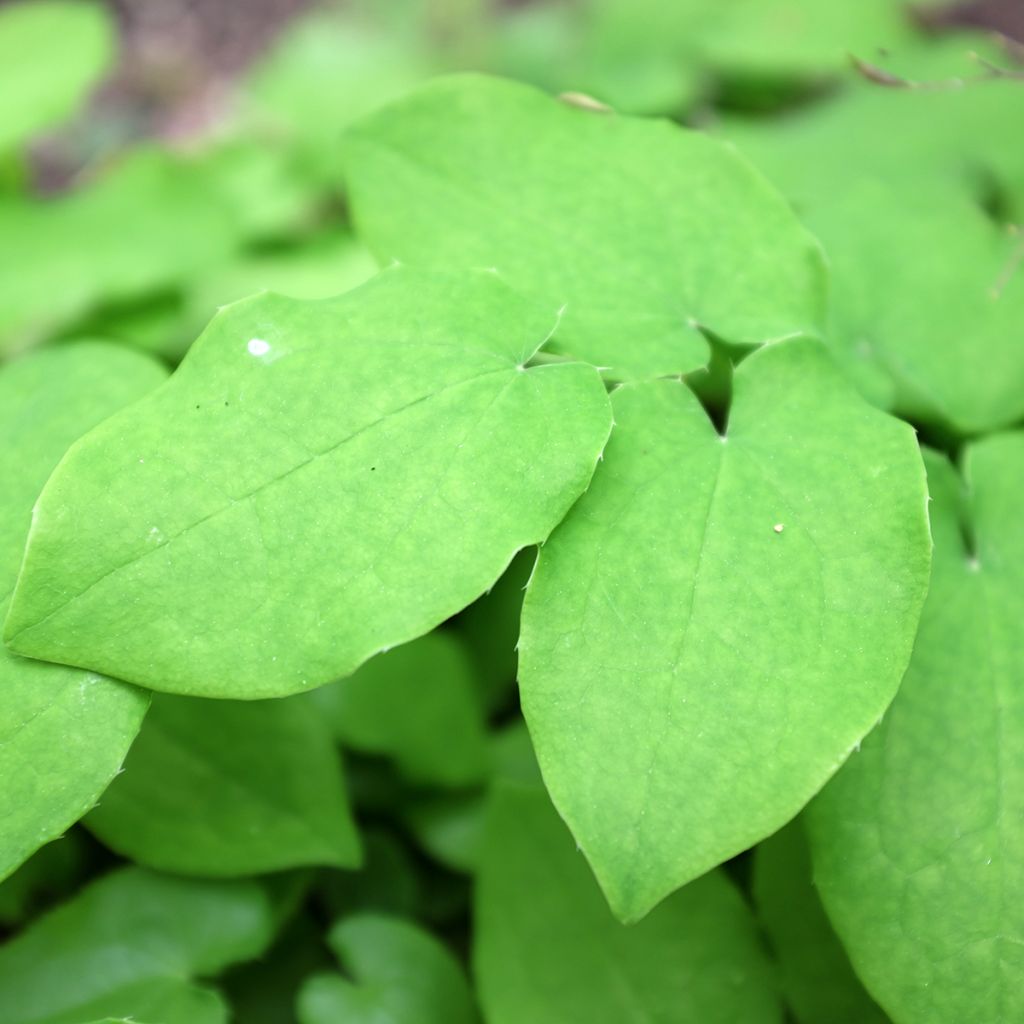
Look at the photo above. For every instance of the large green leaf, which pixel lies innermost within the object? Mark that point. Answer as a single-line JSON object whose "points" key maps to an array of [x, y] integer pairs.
{"points": [[400, 975], [646, 233], [559, 957], [63, 732], [127, 944], [77, 42], [417, 704], [815, 972], [318, 481], [721, 618], [928, 296], [223, 788], [918, 843]]}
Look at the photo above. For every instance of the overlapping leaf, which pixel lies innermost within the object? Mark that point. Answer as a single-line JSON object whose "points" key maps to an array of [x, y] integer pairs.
{"points": [[318, 481], [417, 704], [644, 232], [560, 956], [223, 788], [814, 970], [63, 732], [721, 618], [918, 843], [127, 946]]}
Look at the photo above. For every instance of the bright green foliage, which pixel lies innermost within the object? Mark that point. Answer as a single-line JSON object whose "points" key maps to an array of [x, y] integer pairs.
{"points": [[144, 226], [815, 972], [51, 54], [63, 732], [721, 619], [634, 55], [400, 975], [417, 704], [560, 957], [772, 39], [257, 786], [127, 945], [324, 537], [918, 843], [327, 70], [955, 359], [581, 209], [950, 133]]}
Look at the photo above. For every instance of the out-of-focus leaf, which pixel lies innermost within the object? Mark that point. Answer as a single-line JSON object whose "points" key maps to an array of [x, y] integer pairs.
{"points": [[547, 949], [225, 788], [399, 974], [817, 979], [126, 946], [417, 704], [51, 55]]}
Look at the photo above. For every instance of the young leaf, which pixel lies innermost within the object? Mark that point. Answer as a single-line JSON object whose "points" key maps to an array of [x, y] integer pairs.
{"points": [[318, 481], [645, 232], [560, 956], [224, 788], [400, 974], [63, 732], [78, 41], [720, 619], [918, 842], [126, 945], [815, 972], [417, 704]]}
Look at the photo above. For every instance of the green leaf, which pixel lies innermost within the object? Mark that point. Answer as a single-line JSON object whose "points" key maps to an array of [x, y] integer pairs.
{"points": [[771, 39], [318, 481], [720, 620], [224, 788], [560, 956], [400, 974], [126, 945], [814, 970], [918, 842], [646, 233], [954, 358], [417, 704], [63, 732], [77, 40], [490, 627], [150, 222], [51, 873]]}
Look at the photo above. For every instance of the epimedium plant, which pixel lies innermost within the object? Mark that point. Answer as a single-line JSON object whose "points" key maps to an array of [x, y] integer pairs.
{"points": [[601, 375]]}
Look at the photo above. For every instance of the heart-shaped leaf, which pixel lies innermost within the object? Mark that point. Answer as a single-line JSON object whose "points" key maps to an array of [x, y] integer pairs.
{"points": [[400, 974], [918, 843], [317, 482], [721, 618], [645, 232]]}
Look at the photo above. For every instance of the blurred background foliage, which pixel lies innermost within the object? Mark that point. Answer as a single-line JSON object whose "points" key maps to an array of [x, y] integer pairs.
{"points": [[160, 158]]}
